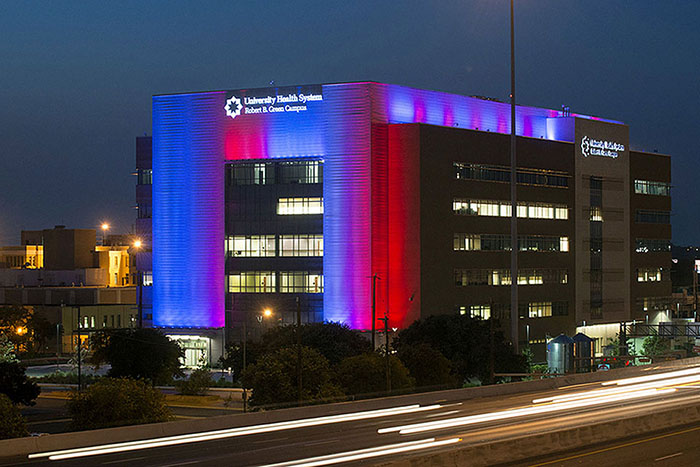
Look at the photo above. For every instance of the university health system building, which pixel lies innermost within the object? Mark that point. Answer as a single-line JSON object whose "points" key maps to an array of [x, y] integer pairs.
{"points": [[293, 196]]}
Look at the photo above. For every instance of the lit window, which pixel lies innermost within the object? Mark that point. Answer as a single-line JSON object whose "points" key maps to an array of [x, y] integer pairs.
{"points": [[250, 245], [489, 208], [476, 311], [648, 275], [301, 245], [645, 187], [301, 282], [252, 282], [596, 214], [292, 206]]}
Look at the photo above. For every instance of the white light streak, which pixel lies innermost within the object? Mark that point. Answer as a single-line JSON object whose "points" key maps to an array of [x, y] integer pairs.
{"points": [[654, 377], [360, 454], [228, 433], [620, 390], [523, 412]]}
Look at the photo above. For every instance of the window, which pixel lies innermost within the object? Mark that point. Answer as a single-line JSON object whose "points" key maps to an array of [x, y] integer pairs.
{"points": [[144, 210], [596, 214], [496, 242], [301, 172], [476, 311], [259, 173], [645, 187], [301, 282], [466, 277], [494, 173], [648, 274], [652, 217], [649, 245], [251, 282], [546, 309], [301, 245], [291, 206], [491, 208], [144, 177], [250, 245]]}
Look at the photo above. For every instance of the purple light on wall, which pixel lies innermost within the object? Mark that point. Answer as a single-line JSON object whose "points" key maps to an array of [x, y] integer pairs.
{"points": [[188, 221]]}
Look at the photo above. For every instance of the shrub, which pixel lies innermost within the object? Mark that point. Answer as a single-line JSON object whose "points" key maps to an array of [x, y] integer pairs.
{"points": [[196, 385], [15, 385], [11, 421], [115, 402]]}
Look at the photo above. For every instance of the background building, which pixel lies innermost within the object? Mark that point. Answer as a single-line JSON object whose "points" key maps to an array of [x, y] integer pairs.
{"points": [[261, 196]]}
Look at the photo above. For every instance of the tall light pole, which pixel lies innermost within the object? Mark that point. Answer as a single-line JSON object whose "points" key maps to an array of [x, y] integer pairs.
{"points": [[514, 312]]}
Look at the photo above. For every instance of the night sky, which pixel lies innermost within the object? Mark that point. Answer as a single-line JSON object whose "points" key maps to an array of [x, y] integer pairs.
{"points": [[77, 78]]}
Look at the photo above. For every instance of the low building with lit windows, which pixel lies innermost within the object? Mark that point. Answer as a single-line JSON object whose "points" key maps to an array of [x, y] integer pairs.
{"points": [[275, 198]]}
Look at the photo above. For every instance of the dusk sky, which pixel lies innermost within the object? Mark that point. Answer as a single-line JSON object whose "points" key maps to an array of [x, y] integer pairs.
{"points": [[77, 78]]}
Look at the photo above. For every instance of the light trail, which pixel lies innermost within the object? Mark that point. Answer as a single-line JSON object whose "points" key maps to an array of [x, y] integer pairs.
{"points": [[361, 454], [228, 433], [620, 390], [523, 412], [655, 377]]}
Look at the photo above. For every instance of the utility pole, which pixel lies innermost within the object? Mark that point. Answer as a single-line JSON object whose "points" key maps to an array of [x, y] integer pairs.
{"points": [[513, 201], [299, 349], [374, 308], [80, 352], [492, 370], [386, 352], [245, 342]]}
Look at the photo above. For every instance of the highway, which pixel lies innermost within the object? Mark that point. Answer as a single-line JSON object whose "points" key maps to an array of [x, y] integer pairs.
{"points": [[367, 437]]}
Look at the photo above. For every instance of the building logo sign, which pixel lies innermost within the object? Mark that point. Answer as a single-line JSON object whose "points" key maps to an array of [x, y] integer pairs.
{"points": [[596, 147], [233, 107], [279, 102]]}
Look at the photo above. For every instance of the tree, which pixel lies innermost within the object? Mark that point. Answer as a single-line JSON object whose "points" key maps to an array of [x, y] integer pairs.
{"points": [[7, 350], [427, 366], [366, 374], [116, 402], [138, 353], [655, 345], [26, 329], [273, 377], [15, 385], [334, 341], [11, 421], [465, 342]]}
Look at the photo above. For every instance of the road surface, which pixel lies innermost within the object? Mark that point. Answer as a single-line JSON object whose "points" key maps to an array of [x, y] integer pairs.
{"points": [[368, 437]]}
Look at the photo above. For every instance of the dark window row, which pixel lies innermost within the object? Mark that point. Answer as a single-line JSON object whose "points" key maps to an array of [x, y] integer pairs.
{"points": [[494, 173], [652, 217], [649, 245], [268, 173]]}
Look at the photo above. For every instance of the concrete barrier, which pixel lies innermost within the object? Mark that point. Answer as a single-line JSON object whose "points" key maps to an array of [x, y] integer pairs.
{"points": [[23, 446]]}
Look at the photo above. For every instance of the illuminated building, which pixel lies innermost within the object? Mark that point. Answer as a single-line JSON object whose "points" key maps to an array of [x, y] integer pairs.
{"points": [[264, 195]]}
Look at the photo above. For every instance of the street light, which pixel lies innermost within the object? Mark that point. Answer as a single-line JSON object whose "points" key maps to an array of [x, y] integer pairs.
{"points": [[105, 228], [139, 280]]}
